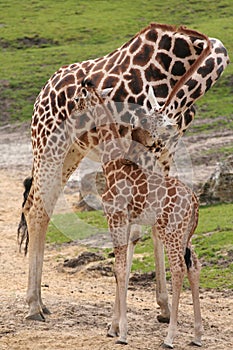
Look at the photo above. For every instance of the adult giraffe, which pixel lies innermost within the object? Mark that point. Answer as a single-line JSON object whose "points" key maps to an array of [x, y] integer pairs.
{"points": [[165, 57]]}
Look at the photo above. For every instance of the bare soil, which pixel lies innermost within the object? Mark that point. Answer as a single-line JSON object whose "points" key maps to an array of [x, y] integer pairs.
{"points": [[81, 299]]}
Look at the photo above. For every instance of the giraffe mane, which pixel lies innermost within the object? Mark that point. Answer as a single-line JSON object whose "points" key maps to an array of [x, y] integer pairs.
{"points": [[189, 32], [194, 66], [182, 30], [87, 82], [173, 28]]}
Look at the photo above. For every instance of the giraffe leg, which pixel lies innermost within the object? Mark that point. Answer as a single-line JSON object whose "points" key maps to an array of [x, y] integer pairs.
{"points": [[161, 288], [119, 321], [47, 183], [120, 272], [177, 272], [37, 221], [194, 277], [135, 234], [113, 330]]}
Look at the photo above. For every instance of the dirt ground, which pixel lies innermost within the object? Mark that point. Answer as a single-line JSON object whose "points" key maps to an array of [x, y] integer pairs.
{"points": [[81, 301]]}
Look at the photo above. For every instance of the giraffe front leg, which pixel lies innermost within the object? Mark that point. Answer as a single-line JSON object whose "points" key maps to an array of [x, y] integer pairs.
{"points": [[113, 330], [121, 282], [161, 287], [177, 279], [135, 235], [119, 321], [177, 268]]}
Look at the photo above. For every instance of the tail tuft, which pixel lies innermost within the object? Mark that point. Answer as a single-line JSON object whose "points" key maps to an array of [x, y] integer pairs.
{"points": [[187, 258], [22, 228]]}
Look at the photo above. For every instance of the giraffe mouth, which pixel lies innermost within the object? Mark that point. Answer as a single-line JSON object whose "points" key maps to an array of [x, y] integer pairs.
{"points": [[136, 149], [126, 160]]}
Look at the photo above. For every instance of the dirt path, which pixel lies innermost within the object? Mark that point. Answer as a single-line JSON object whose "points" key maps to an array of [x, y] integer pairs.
{"points": [[81, 302]]}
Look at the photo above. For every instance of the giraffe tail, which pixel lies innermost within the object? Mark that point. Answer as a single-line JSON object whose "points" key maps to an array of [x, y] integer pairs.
{"points": [[187, 258], [194, 222], [22, 228]]}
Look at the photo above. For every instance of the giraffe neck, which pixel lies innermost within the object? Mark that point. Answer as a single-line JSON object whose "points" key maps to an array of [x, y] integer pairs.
{"points": [[151, 57], [110, 143], [159, 56], [180, 65], [197, 81]]}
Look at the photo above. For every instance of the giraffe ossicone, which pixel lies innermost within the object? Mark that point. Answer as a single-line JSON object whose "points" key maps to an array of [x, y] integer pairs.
{"points": [[153, 100]]}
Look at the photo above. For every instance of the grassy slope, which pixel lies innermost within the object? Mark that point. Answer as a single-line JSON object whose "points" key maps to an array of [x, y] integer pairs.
{"points": [[71, 31], [213, 242]]}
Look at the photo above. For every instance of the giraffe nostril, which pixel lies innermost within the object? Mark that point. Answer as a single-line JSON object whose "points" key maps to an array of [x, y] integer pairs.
{"points": [[144, 121]]}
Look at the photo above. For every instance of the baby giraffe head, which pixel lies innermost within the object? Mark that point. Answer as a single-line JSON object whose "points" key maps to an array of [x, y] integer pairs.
{"points": [[151, 131], [88, 97], [152, 126]]}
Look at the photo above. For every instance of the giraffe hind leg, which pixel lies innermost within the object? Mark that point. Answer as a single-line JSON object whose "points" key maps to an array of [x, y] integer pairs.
{"points": [[37, 220], [23, 237], [194, 277], [47, 185]]}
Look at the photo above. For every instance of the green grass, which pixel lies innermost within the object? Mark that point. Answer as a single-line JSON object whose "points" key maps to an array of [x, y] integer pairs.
{"points": [[62, 32], [219, 124], [74, 226], [213, 242]]}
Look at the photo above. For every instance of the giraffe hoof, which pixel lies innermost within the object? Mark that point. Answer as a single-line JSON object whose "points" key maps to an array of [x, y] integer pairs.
{"points": [[167, 346], [36, 317], [121, 342], [112, 335], [163, 319], [46, 310], [195, 343], [113, 332]]}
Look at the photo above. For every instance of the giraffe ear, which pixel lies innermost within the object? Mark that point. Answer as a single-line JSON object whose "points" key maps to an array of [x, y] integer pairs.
{"points": [[152, 99], [106, 92]]}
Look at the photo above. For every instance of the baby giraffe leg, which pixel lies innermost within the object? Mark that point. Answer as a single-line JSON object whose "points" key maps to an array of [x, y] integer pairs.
{"points": [[120, 308], [177, 272], [161, 287], [194, 277], [135, 235], [114, 327]]}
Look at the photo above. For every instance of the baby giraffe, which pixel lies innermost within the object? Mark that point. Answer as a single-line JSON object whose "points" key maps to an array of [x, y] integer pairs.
{"points": [[134, 195]]}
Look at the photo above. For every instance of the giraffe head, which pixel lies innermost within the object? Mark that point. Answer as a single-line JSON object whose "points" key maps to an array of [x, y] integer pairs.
{"points": [[88, 97], [153, 125]]}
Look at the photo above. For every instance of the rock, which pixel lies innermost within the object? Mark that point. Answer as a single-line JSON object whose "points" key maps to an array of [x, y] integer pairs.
{"points": [[89, 202], [83, 259], [91, 187], [219, 187]]}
